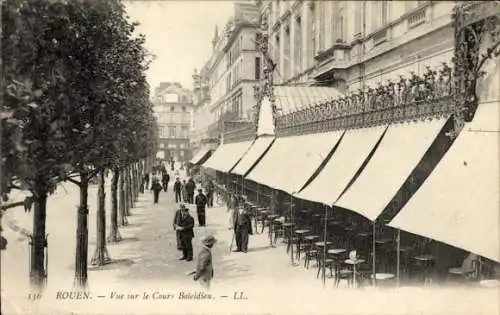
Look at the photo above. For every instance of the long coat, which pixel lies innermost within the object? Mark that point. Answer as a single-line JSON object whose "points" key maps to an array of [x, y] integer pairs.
{"points": [[187, 223], [204, 267], [177, 218], [243, 220]]}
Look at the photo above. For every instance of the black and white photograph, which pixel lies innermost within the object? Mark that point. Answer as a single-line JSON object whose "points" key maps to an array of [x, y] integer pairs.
{"points": [[249, 157]]}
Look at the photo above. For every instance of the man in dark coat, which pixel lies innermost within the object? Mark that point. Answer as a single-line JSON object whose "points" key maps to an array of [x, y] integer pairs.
{"points": [[201, 203], [210, 194], [242, 228], [176, 222], [156, 188], [190, 187], [185, 227], [204, 269], [177, 190], [165, 179]]}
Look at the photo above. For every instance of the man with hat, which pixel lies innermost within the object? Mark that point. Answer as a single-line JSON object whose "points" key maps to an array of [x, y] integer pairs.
{"points": [[185, 226], [242, 228], [204, 268], [201, 202]]}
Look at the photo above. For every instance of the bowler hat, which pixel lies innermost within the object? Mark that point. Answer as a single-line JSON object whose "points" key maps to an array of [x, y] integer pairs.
{"points": [[209, 240], [183, 206]]}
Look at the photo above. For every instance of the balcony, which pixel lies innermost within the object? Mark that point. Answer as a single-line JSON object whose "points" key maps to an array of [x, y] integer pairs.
{"points": [[227, 121]]}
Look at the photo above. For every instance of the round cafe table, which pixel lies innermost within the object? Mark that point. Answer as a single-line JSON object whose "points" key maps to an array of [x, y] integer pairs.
{"points": [[354, 263], [271, 219], [287, 226], [336, 251]]}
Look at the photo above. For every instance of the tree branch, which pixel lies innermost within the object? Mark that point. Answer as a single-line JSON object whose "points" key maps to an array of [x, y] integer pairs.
{"points": [[71, 180], [13, 205], [481, 63], [12, 186]]}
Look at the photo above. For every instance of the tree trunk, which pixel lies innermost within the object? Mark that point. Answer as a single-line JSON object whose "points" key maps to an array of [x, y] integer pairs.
{"points": [[123, 202], [114, 235], [101, 255], [39, 242], [82, 234], [129, 191], [132, 183]]}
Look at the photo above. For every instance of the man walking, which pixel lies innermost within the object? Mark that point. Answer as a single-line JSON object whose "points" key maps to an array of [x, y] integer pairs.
{"points": [[156, 188], [204, 268], [177, 190], [165, 179], [210, 194], [185, 227], [190, 187], [242, 228], [177, 218], [201, 203]]}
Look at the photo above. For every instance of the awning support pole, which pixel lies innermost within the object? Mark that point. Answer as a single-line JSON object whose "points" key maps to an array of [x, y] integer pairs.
{"points": [[398, 256], [292, 221], [374, 278], [324, 247]]}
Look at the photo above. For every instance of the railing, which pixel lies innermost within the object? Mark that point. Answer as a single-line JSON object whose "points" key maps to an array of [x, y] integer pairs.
{"points": [[416, 18], [419, 97], [245, 133]]}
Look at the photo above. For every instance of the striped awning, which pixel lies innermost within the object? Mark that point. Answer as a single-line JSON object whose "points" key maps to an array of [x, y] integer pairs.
{"points": [[227, 155], [288, 99], [291, 161], [459, 203], [253, 154], [353, 150], [200, 156], [399, 152]]}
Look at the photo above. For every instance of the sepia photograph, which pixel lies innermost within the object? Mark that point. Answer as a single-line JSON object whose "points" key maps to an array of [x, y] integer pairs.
{"points": [[249, 157]]}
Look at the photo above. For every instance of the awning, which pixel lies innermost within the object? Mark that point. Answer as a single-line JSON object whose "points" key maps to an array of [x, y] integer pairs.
{"points": [[459, 202], [291, 161], [352, 151], [200, 156], [227, 155], [253, 154], [398, 153], [288, 99]]}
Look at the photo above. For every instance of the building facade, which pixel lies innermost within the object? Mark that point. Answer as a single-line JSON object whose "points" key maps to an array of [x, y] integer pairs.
{"points": [[226, 82], [173, 106], [353, 45]]}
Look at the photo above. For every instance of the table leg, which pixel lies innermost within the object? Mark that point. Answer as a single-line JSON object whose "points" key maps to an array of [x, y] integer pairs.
{"points": [[354, 284]]}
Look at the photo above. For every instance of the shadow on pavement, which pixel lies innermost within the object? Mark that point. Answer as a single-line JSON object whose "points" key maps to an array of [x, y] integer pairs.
{"points": [[114, 264]]}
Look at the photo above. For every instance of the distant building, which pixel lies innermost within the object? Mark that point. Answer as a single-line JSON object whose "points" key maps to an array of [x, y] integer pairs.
{"points": [[173, 106], [224, 88]]}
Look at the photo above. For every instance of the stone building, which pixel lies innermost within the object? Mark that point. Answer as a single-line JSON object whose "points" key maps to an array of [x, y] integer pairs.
{"points": [[173, 107], [354, 44], [226, 82]]}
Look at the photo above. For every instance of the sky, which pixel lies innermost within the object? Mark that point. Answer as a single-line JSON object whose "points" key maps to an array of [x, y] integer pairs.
{"points": [[179, 33]]}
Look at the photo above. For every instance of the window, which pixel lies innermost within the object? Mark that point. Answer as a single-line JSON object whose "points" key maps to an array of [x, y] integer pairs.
{"points": [[181, 152], [298, 44], [358, 17], [183, 108], [257, 68], [162, 145], [171, 146], [162, 131], [380, 14], [171, 132], [172, 108], [182, 145], [286, 51], [184, 131], [312, 35], [277, 53]]}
